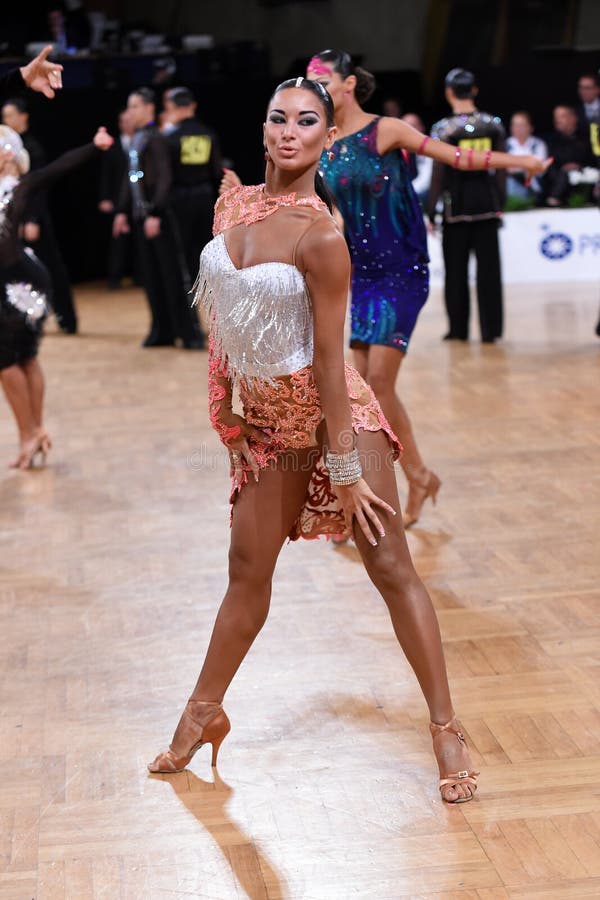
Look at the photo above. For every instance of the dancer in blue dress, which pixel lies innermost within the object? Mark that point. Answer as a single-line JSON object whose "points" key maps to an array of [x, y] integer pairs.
{"points": [[369, 178]]}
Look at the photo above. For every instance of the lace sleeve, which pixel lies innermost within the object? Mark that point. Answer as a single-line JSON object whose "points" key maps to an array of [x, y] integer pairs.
{"points": [[220, 394]]}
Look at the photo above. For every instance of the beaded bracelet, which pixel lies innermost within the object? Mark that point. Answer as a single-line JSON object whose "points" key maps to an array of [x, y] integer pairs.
{"points": [[457, 158], [423, 143], [343, 468], [488, 156]]}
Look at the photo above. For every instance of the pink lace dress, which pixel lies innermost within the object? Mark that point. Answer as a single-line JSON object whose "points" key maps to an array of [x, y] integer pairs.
{"points": [[261, 341]]}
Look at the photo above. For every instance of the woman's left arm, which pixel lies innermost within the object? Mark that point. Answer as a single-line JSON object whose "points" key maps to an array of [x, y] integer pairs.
{"points": [[394, 134], [324, 259]]}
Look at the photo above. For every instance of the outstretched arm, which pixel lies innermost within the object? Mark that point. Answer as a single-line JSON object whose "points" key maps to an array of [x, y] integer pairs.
{"points": [[395, 134], [42, 178]]}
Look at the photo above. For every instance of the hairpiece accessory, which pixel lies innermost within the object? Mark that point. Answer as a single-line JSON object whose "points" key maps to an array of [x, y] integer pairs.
{"points": [[457, 158], [299, 81], [316, 66], [423, 143], [488, 156], [470, 158], [343, 468]]}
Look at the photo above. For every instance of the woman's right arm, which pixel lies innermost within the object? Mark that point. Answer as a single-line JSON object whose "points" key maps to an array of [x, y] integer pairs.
{"points": [[42, 178]]}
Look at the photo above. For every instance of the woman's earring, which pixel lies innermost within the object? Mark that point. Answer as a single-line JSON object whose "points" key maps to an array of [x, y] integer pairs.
{"points": [[267, 157], [331, 156]]}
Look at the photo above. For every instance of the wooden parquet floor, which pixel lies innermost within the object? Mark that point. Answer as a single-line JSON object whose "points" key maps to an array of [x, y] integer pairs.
{"points": [[113, 563]]}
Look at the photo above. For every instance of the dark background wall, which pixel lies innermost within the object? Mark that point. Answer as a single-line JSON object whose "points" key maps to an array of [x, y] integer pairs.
{"points": [[526, 53]]}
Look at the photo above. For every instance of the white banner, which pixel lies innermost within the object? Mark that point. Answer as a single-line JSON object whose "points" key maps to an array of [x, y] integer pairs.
{"points": [[541, 245]]}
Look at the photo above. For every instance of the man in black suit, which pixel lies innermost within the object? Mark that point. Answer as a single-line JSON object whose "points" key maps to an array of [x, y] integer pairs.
{"points": [[38, 230], [144, 207], [571, 153]]}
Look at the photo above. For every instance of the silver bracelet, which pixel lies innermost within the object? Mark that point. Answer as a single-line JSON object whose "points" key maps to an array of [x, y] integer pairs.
{"points": [[343, 468]]}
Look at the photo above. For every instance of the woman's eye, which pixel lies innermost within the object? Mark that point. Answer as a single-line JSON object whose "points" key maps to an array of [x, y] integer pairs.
{"points": [[308, 121], [278, 120]]}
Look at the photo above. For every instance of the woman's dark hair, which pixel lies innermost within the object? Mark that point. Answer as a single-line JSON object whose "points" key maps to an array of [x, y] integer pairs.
{"points": [[341, 62], [322, 95]]}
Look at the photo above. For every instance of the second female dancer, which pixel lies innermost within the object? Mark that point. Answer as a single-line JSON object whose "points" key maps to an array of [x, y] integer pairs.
{"points": [[25, 288], [383, 220], [312, 452]]}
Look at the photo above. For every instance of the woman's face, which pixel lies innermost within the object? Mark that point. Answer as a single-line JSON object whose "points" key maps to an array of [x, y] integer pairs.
{"points": [[337, 86], [296, 131]]}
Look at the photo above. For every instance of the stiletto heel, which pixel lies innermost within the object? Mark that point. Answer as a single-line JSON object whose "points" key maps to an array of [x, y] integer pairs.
{"points": [[418, 492], [465, 776], [190, 734]]}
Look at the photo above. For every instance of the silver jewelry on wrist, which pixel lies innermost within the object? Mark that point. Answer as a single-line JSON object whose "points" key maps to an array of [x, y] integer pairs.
{"points": [[343, 468]]}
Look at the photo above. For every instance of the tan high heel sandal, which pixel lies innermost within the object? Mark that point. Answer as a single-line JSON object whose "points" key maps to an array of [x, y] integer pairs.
{"points": [[192, 734], [423, 490], [455, 778]]}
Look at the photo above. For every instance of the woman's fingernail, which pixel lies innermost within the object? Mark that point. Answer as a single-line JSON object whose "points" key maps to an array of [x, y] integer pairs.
{"points": [[382, 533]]}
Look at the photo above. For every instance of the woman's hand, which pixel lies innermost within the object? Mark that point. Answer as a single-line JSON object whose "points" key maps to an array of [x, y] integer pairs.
{"points": [[358, 501], [238, 446], [102, 139]]}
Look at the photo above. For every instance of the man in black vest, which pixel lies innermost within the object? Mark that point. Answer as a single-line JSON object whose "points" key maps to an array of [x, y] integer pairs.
{"points": [[473, 203], [197, 172], [144, 201]]}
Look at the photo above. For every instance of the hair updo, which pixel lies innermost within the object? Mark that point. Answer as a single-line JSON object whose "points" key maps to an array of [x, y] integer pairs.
{"points": [[324, 98], [341, 62], [320, 92]]}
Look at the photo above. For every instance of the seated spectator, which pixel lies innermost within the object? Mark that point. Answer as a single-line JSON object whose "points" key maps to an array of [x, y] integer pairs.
{"points": [[420, 166], [588, 108], [572, 154], [522, 142]]}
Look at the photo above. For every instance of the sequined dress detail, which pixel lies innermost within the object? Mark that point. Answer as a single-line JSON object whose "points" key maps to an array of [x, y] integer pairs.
{"points": [[261, 341], [387, 237]]}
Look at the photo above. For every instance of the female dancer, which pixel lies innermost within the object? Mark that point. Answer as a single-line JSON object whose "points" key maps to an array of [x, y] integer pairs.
{"points": [[25, 288], [275, 282], [384, 224]]}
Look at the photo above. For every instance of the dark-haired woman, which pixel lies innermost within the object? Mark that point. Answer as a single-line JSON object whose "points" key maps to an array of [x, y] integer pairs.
{"points": [[370, 181], [312, 453], [25, 288]]}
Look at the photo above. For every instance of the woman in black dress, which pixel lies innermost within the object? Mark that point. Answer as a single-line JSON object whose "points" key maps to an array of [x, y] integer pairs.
{"points": [[25, 288]]}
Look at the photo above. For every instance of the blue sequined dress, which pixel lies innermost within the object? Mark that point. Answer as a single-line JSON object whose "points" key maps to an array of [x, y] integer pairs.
{"points": [[387, 237]]}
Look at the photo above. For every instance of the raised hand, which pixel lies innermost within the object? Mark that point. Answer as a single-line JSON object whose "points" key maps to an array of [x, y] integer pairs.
{"points": [[42, 75], [102, 139]]}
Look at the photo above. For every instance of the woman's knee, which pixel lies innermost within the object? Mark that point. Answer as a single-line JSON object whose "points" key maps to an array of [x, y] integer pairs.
{"points": [[247, 570], [380, 382], [392, 573]]}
